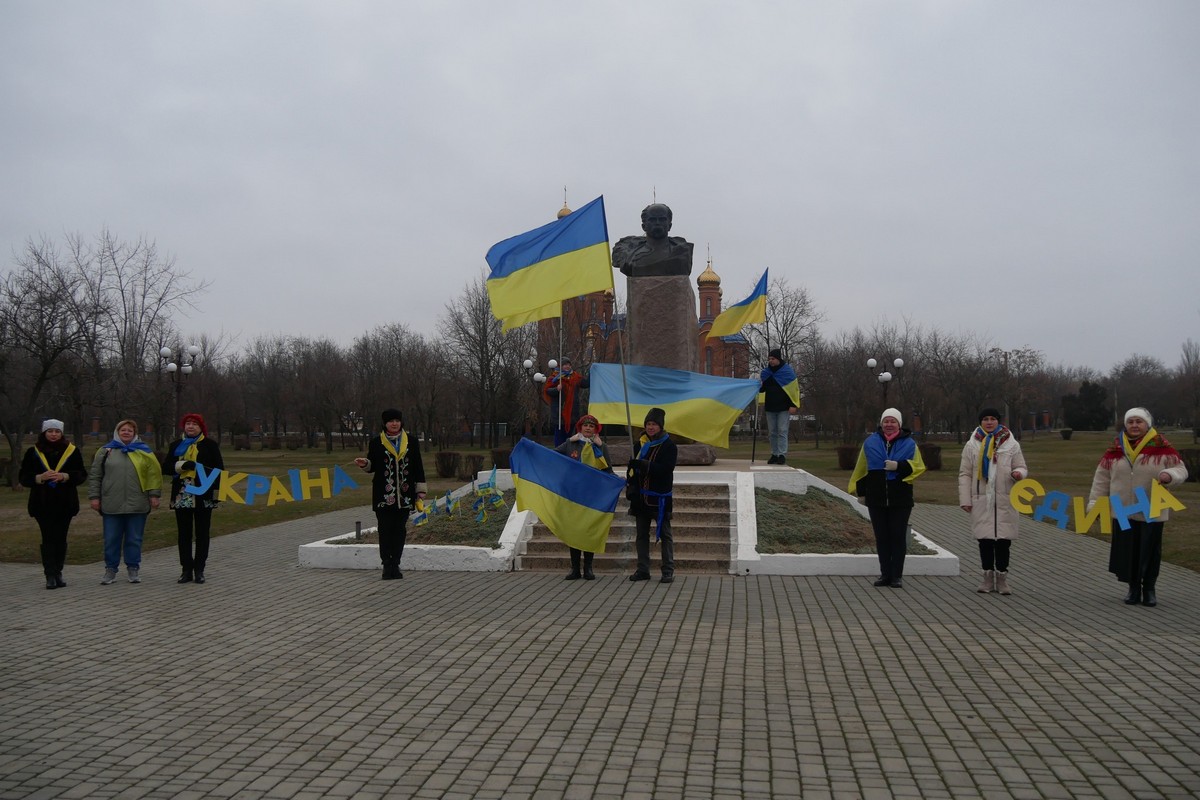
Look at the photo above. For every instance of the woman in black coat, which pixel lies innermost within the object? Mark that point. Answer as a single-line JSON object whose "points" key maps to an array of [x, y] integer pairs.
{"points": [[650, 484], [193, 512], [399, 481], [52, 469]]}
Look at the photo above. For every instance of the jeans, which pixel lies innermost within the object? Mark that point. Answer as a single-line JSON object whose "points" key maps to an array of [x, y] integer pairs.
{"points": [[123, 532], [777, 431]]}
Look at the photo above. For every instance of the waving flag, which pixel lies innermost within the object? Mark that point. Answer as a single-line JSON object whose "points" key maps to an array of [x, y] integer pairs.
{"points": [[574, 500], [700, 407], [750, 311], [532, 273]]}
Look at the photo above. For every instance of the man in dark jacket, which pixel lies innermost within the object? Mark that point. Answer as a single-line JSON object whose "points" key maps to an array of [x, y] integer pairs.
{"points": [[651, 479]]}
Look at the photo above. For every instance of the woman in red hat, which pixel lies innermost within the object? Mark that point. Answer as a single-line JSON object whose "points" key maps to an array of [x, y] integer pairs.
{"points": [[193, 512], [586, 446]]}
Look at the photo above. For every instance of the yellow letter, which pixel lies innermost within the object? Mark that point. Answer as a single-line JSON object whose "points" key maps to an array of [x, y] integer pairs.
{"points": [[226, 492], [1022, 492], [1101, 510], [277, 492], [1161, 498]]}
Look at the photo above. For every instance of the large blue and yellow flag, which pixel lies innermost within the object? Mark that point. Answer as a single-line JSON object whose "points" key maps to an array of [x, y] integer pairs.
{"points": [[574, 500], [750, 311], [785, 376], [532, 273], [700, 407]]}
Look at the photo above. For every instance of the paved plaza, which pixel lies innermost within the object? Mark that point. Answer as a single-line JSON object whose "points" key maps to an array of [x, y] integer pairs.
{"points": [[273, 681]]}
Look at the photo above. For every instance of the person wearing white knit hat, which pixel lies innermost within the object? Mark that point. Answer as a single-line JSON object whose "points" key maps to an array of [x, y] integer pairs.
{"points": [[1137, 458], [52, 469], [888, 463]]}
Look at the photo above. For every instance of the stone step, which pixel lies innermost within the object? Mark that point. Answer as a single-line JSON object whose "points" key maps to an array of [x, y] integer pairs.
{"points": [[626, 563], [693, 533], [718, 549]]}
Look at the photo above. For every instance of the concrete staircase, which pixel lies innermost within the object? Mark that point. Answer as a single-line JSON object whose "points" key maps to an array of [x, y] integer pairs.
{"points": [[702, 525]]}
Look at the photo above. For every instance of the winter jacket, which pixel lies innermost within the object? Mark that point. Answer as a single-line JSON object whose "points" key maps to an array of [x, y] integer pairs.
{"points": [[208, 453], [992, 513], [394, 485], [655, 473], [880, 488], [47, 500], [1115, 476], [113, 480]]}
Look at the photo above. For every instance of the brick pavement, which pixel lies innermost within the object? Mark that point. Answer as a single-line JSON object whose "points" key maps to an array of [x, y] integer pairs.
{"points": [[277, 682]]}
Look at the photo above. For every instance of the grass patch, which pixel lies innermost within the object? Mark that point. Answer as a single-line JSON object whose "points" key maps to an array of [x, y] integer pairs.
{"points": [[816, 522], [459, 529]]}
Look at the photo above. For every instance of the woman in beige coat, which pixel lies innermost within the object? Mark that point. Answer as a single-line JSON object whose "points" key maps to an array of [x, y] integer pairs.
{"points": [[991, 462], [1137, 458]]}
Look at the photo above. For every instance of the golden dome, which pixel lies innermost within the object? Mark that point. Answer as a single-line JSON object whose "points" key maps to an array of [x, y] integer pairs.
{"points": [[562, 212], [708, 277]]}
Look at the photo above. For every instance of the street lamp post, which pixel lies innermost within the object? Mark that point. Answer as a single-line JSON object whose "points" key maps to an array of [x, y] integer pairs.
{"points": [[179, 372], [538, 378], [885, 377]]}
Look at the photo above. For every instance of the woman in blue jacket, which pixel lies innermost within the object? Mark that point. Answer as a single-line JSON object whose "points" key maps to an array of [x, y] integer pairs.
{"points": [[887, 465]]}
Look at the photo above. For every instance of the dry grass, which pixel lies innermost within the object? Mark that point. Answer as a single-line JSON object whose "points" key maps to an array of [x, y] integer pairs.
{"points": [[816, 522]]}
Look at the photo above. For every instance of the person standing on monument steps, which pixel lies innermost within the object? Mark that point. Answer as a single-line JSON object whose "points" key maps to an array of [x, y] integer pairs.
{"points": [[565, 386], [780, 396], [398, 482], [650, 482], [887, 465], [587, 447]]}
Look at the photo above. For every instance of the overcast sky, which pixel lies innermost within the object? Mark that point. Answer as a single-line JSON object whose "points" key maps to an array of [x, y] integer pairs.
{"points": [[1029, 171]]}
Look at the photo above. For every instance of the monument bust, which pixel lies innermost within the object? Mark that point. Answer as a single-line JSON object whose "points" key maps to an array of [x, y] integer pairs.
{"points": [[656, 253]]}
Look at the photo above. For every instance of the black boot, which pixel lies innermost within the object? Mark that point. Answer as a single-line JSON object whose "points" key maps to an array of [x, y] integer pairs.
{"points": [[574, 575], [186, 577], [1135, 594], [58, 581], [51, 583], [1149, 598], [199, 576], [588, 575]]}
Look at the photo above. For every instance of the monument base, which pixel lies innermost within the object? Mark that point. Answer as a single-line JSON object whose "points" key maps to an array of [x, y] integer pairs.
{"points": [[690, 455]]}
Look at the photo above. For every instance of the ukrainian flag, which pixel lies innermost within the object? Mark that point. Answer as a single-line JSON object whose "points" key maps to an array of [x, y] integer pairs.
{"points": [[534, 272], [575, 501], [785, 376], [750, 311], [700, 407]]}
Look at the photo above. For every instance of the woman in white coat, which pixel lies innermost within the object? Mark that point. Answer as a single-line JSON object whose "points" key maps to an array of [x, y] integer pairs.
{"points": [[992, 462]]}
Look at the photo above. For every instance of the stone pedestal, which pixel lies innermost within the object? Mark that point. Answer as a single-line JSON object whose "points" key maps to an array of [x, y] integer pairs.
{"points": [[690, 455], [663, 331]]}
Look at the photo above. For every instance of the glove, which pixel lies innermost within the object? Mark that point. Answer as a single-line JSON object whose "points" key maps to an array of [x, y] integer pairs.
{"points": [[183, 466], [890, 465]]}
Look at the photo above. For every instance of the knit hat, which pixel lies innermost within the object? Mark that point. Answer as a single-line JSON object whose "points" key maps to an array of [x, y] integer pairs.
{"points": [[891, 412], [390, 414], [989, 412], [199, 420], [657, 415], [52, 424], [776, 353], [588, 418], [1140, 412]]}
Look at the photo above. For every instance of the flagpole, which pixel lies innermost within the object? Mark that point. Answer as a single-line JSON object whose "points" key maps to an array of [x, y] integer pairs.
{"points": [[767, 329]]}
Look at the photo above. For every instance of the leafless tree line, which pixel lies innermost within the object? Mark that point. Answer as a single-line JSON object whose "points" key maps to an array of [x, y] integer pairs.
{"points": [[82, 323]]}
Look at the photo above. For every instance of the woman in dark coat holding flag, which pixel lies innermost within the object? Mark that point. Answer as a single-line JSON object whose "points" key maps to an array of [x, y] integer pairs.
{"points": [[887, 465], [52, 469], [399, 481], [193, 512], [587, 447], [651, 479]]}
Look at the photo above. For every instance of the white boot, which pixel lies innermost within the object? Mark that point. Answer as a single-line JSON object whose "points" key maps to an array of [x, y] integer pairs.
{"points": [[989, 582], [1002, 583]]}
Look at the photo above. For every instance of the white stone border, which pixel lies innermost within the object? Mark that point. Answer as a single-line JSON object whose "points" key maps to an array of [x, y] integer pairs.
{"points": [[744, 558]]}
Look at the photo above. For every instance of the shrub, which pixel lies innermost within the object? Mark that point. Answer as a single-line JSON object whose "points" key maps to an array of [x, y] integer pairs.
{"points": [[500, 457], [931, 454], [1066, 433], [472, 464], [847, 455], [447, 463], [1192, 459]]}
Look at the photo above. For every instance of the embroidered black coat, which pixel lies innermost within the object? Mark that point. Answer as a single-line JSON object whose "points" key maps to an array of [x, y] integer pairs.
{"points": [[394, 486]]}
